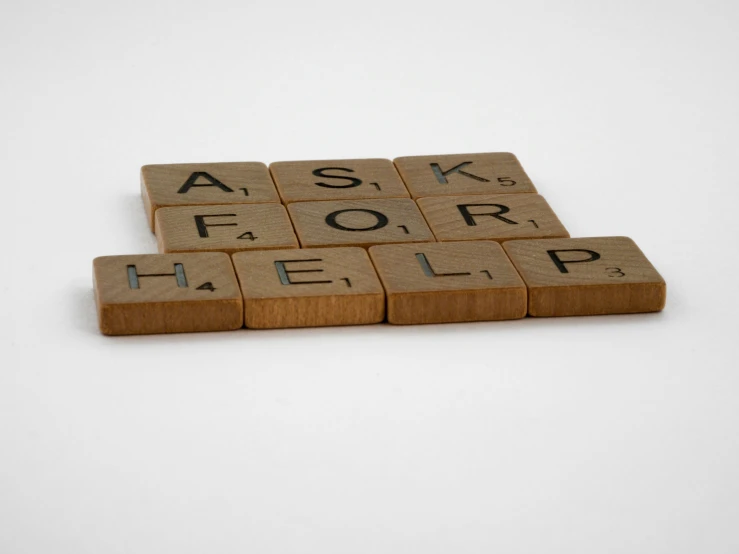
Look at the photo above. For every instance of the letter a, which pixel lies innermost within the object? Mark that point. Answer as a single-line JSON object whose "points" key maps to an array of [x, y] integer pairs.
{"points": [[195, 176]]}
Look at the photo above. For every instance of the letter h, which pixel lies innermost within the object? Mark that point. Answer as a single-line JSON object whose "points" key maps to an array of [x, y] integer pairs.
{"points": [[179, 274]]}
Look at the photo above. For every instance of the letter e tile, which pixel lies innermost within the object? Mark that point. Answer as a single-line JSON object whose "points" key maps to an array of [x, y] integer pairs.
{"points": [[309, 288]]}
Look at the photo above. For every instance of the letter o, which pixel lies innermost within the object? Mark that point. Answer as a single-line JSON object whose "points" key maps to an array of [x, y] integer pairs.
{"points": [[382, 220]]}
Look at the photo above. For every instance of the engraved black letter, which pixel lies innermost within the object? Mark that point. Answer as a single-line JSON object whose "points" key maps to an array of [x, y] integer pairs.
{"points": [[561, 263], [285, 274], [194, 177], [203, 226], [179, 274], [382, 220], [470, 218], [429, 271], [319, 173], [441, 175]]}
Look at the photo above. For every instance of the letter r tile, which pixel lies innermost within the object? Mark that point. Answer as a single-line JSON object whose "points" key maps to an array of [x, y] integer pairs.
{"points": [[587, 276], [457, 174], [449, 282], [309, 288], [497, 217]]}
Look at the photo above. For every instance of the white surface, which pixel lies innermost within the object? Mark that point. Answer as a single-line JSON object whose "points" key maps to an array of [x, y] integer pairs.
{"points": [[581, 435]]}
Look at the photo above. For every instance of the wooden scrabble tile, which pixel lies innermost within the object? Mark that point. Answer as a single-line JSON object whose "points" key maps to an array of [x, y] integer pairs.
{"points": [[358, 222], [498, 217], [309, 288], [449, 282], [456, 174], [207, 183], [166, 293], [587, 276], [337, 180], [225, 228]]}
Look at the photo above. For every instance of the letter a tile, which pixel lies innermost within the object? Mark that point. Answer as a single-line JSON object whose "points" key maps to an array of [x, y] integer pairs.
{"points": [[207, 183], [587, 276], [309, 288], [166, 293], [449, 282]]}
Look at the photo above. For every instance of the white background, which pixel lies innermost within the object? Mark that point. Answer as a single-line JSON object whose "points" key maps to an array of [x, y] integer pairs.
{"points": [[607, 434]]}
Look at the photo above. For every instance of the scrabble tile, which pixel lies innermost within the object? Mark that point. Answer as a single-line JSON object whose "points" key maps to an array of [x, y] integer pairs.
{"points": [[225, 228], [358, 222], [206, 183], [587, 276], [457, 174], [166, 293], [448, 282], [337, 180], [309, 288], [498, 217]]}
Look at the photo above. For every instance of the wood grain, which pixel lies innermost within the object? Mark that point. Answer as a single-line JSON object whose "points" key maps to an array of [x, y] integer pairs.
{"points": [[166, 293], [309, 288], [200, 184], [458, 174], [337, 180], [358, 222], [224, 228], [449, 282], [497, 217], [587, 276]]}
